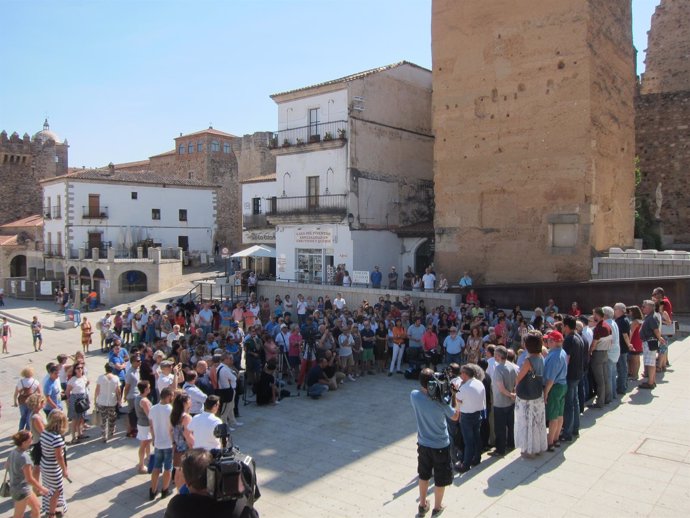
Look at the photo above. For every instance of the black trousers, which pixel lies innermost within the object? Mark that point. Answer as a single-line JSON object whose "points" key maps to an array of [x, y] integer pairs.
{"points": [[504, 419]]}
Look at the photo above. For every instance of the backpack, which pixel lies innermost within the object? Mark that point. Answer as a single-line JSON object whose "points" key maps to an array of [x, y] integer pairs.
{"points": [[24, 394]]}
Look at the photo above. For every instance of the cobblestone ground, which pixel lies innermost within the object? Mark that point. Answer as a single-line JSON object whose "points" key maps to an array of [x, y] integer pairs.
{"points": [[352, 453]]}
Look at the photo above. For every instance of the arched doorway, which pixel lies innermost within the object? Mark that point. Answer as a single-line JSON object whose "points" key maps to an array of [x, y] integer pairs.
{"points": [[18, 266], [73, 284], [423, 256], [84, 283], [98, 281], [133, 280]]}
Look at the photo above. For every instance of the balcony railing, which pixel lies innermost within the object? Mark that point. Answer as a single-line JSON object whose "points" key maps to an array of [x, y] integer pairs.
{"points": [[102, 249], [57, 212], [95, 212], [53, 251], [46, 213], [320, 204], [250, 221], [321, 132]]}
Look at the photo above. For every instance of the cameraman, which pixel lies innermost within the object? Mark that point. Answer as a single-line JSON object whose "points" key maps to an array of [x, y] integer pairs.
{"points": [[198, 502], [433, 443]]}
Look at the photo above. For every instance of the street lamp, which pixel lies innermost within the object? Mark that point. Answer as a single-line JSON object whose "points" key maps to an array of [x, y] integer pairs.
{"points": [[328, 171], [284, 175]]}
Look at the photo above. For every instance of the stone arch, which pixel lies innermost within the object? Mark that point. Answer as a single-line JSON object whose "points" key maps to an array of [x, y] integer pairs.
{"points": [[18, 266], [133, 280]]}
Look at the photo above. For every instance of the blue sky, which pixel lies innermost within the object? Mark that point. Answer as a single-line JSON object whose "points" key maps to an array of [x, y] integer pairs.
{"points": [[120, 79]]}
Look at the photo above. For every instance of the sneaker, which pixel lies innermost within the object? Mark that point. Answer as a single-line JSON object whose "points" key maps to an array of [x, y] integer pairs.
{"points": [[437, 512], [165, 493], [390, 374], [237, 423], [423, 509], [351, 377], [152, 494]]}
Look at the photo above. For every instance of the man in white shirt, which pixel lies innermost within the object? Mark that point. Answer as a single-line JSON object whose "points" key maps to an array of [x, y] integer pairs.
{"points": [[339, 302], [471, 398], [161, 434], [206, 319], [227, 379], [203, 425], [347, 362], [428, 279], [174, 336], [195, 394]]}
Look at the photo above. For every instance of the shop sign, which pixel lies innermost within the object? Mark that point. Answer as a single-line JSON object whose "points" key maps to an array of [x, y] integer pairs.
{"points": [[259, 236], [314, 237]]}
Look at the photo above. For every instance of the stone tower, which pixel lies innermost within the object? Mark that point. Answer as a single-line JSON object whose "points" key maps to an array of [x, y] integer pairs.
{"points": [[662, 124], [667, 63], [534, 136], [24, 161]]}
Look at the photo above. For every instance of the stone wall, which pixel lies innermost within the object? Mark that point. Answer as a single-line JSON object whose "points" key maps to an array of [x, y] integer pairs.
{"points": [[534, 136], [663, 147], [668, 49]]}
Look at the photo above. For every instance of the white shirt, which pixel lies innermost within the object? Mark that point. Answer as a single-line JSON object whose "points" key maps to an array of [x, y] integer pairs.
{"points": [[202, 426], [339, 303], [206, 316], [164, 381], [226, 377], [428, 279], [492, 367], [301, 307], [77, 385], [197, 396], [346, 342], [472, 396], [172, 337], [107, 393], [159, 421]]}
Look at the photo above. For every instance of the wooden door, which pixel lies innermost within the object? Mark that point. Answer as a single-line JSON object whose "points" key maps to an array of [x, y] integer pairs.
{"points": [[94, 206]]}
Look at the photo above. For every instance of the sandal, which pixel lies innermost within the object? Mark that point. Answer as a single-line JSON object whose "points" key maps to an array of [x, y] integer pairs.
{"points": [[438, 511], [423, 509], [557, 444], [74, 441], [550, 448]]}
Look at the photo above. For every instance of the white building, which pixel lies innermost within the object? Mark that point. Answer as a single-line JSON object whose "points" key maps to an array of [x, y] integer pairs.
{"points": [[137, 224], [354, 178]]}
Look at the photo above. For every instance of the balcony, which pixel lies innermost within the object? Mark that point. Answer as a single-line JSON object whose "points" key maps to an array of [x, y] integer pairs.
{"points": [[50, 250], [324, 134], [308, 209], [252, 221], [57, 212], [94, 212], [47, 213]]}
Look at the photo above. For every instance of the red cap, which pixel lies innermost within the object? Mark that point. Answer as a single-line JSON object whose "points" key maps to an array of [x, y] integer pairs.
{"points": [[556, 336]]}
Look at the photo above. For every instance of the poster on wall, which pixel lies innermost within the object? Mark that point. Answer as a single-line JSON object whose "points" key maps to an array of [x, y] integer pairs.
{"points": [[46, 288], [13, 287], [360, 277], [330, 274], [22, 286], [282, 262], [314, 237]]}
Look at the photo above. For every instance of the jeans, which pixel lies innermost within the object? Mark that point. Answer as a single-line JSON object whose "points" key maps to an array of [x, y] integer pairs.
{"points": [[396, 360], [504, 419], [599, 366], [622, 367], [317, 390], [456, 446], [611, 385], [470, 425], [453, 358], [583, 391], [25, 417], [571, 413]]}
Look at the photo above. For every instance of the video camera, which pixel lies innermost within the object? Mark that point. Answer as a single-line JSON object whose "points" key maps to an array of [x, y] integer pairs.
{"points": [[232, 474], [439, 387]]}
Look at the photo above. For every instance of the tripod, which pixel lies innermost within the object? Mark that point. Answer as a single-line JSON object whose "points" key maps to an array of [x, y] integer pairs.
{"points": [[284, 365]]}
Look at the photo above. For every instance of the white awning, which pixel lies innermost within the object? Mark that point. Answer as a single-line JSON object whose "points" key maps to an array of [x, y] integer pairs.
{"points": [[256, 251]]}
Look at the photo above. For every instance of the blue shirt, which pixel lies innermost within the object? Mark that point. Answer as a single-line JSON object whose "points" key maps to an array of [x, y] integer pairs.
{"points": [[376, 278], [454, 346], [556, 366], [225, 318], [118, 358], [432, 429], [51, 389]]}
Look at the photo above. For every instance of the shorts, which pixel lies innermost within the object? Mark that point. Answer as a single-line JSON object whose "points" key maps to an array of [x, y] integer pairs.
{"points": [[143, 433], [556, 401], [20, 494], [435, 461], [162, 459], [648, 357], [367, 355], [347, 361], [36, 453], [177, 457], [37, 337]]}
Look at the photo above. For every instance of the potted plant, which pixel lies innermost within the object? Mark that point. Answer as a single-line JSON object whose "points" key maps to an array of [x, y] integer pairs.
{"points": [[299, 142], [341, 133], [274, 142], [286, 143], [314, 138], [328, 136]]}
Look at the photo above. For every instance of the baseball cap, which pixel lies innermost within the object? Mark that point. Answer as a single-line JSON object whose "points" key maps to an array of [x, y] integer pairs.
{"points": [[283, 326], [556, 336]]}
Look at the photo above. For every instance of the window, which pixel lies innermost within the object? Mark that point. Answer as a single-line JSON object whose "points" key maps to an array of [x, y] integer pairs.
{"points": [[155, 214], [256, 205], [181, 149], [190, 148], [199, 147], [183, 214], [215, 146], [226, 148], [312, 192], [313, 121], [135, 195], [190, 174]]}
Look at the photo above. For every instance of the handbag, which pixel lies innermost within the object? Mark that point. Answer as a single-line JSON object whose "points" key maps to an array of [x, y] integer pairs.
{"points": [[5, 487], [668, 329], [81, 405], [531, 386], [653, 344]]}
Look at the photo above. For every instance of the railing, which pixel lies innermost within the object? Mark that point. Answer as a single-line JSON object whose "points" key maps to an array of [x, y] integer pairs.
{"points": [[46, 213], [321, 132], [94, 212], [170, 253], [57, 212], [73, 253], [102, 250], [319, 204], [250, 221], [52, 250]]}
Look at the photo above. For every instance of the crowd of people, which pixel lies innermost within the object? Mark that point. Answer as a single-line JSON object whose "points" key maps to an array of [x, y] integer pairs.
{"points": [[177, 373]]}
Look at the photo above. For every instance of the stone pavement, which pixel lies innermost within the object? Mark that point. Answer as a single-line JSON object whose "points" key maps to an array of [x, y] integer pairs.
{"points": [[352, 454]]}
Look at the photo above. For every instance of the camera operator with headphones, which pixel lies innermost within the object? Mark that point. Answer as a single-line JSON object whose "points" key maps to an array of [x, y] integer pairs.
{"points": [[199, 502], [433, 443]]}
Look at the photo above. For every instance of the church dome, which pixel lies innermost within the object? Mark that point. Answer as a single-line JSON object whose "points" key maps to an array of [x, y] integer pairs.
{"points": [[45, 135]]}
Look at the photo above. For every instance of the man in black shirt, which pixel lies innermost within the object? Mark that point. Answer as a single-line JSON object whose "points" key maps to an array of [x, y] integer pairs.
{"points": [[623, 324], [575, 348], [317, 383], [266, 390]]}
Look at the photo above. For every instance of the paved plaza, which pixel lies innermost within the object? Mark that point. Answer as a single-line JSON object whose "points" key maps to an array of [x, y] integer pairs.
{"points": [[353, 453]]}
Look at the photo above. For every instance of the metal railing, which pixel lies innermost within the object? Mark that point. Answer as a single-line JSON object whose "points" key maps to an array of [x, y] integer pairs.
{"points": [[170, 253], [102, 250], [250, 221], [52, 250], [319, 204], [94, 212], [321, 132]]}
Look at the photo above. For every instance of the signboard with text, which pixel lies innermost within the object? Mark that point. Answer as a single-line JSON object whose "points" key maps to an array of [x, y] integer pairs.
{"points": [[314, 237], [259, 236], [359, 277]]}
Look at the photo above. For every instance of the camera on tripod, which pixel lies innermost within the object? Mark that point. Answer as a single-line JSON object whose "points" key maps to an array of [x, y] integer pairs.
{"points": [[439, 387], [232, 474]]}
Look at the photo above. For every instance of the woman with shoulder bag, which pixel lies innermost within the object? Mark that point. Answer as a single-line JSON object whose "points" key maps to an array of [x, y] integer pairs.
{"points": [[77, 394], [22, 478], [26, 387], [530, 410]]}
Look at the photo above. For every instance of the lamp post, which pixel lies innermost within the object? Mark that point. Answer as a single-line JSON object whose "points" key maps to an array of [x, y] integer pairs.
{"points": [[328, 171]]}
